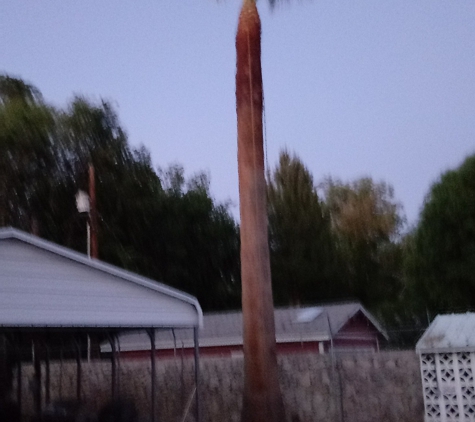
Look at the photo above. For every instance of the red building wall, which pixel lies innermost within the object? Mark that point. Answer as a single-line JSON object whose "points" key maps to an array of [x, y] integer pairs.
{"points": [[357, 334]]}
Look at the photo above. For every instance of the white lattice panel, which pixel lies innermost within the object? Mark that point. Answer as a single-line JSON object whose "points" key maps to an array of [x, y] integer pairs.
{"points": [[448, 381]]}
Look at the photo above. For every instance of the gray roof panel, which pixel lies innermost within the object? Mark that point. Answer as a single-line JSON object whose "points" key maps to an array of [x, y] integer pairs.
{"points": [[225, 328], [454, 332], [46, 285]]}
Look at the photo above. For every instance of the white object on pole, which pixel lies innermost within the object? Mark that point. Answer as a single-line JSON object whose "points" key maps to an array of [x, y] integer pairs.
{"points": [[83, 205], [82, 201]]}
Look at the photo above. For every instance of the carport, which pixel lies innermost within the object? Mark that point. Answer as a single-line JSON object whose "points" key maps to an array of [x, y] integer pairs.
{"points": [[51, 296]]}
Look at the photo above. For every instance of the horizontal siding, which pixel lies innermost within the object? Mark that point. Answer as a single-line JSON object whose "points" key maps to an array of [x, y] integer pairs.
{"points": [[38, 287]]}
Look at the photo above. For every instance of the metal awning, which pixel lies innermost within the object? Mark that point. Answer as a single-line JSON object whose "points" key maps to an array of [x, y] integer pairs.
{"points": [[46, 285], [49, 292]]}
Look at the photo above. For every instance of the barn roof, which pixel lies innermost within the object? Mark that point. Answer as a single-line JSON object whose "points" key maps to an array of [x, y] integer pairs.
{"points": [[292, 324], [449, 333], [46, 285]]}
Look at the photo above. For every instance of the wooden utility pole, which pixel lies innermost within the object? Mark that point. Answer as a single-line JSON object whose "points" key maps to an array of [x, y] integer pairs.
{"points": [[93, 213], [262, 397]]}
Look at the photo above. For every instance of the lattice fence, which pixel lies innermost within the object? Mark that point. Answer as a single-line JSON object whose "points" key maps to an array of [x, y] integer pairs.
{"points": [[448, 380]]}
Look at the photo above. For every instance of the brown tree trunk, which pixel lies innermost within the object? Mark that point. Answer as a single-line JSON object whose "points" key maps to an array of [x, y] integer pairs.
{"points": [[93, 213], [262, 399]]}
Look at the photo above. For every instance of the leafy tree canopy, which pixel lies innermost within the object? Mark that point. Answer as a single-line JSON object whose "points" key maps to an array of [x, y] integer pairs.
{"points": [[155, 223], [366, 222], [363, 210], [441, 262], [27, 151], [14, 89]]}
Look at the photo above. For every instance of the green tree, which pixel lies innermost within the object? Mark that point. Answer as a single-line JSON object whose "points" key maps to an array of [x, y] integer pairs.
{"points": [[195, 240], [405, 314], [158, 225], [366, 222], [27, 153], [441, 263], [302, 255], [262, 397], [15, 89], [88, 133]]}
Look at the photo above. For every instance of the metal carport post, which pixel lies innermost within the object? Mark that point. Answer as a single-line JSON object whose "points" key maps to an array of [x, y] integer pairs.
{"points": [[151, 334], [197, 372]]}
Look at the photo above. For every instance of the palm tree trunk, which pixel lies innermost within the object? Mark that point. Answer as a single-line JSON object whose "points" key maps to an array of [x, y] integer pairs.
{"points": [[262, 399]]}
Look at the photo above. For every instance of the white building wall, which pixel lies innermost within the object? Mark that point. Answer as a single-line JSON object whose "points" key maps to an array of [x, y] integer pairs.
{"points": [[448, 381]]}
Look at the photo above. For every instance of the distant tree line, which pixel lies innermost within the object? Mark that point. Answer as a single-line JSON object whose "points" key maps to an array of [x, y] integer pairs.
{"points": [[332, 240], [342, 243], [153, 222]]}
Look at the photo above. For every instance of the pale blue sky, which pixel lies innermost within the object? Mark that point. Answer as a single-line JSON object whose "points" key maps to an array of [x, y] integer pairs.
{"points": [[370, 87]]}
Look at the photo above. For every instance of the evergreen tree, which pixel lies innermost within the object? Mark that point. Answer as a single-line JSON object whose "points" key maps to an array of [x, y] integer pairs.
{"points": [[302, 252]]}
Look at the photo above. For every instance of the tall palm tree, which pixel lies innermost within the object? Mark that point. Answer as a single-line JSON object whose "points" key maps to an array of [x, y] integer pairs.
{"points": [[262, 399]]}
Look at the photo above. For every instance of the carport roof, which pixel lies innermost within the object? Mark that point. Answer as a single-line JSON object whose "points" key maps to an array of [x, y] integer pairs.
{"points": [[449, 333], [43, 284]]}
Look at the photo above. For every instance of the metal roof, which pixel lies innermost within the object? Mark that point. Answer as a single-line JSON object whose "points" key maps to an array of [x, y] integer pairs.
{"points": [[225, 328], [449, 333], [46, 285]]}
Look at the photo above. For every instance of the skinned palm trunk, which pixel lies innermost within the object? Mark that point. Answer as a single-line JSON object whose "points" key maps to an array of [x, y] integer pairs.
{"points": [[262, 399]]}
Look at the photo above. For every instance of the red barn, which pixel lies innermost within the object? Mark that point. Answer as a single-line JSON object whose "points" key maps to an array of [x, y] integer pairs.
{"points": [[343, 326]]}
